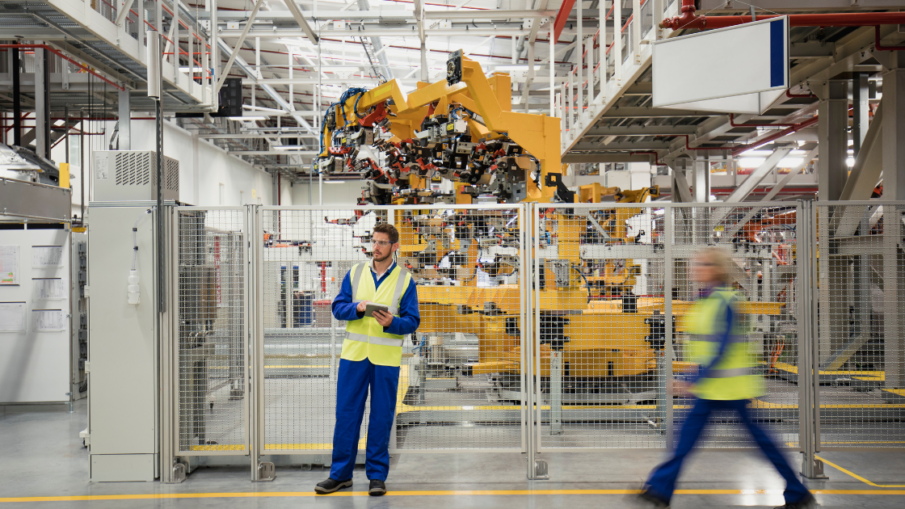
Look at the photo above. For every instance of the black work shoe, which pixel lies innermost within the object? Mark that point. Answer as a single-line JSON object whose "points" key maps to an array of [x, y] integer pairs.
{"points": [[805, 503], [652, 500], [331, 485], [377, 488]]}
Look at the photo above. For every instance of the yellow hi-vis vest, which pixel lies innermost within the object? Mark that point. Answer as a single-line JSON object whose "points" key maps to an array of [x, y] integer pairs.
{"points": [[733, 377], [365, 338]]}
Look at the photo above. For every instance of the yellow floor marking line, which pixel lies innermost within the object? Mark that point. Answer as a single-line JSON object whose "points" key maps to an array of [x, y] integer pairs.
{"points": [[449, 493], [858, 477]]}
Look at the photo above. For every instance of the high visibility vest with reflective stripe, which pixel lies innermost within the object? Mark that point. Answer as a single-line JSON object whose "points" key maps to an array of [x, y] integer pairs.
{"points": [[733, 377], [365, 338]]}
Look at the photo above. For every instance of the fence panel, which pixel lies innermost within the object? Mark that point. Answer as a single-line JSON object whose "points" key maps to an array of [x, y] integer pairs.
{"points": [[615, 287], [599, 326], [212, 331], [762, 239], [861, 278], [461, 383]]}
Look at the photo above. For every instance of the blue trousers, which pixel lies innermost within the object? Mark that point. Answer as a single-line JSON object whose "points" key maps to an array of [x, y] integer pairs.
{"points": [[353, 382], [662, 481]]}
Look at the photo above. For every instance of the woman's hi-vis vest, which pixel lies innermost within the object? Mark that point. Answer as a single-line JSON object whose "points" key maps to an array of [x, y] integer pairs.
{"points": [[733, 377], [365, 338]]}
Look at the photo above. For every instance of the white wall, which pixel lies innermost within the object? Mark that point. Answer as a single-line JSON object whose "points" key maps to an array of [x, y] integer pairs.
{"points": [[343, 193], [202, 165]]}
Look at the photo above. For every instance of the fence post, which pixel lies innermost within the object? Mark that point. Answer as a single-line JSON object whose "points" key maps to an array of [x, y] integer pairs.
{"points": [[537, 469], [259, 471], [668, 350], [808, 365]]}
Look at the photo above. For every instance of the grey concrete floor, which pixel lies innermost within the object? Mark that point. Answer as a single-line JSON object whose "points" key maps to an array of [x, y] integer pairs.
{"points": [[42, 456]]}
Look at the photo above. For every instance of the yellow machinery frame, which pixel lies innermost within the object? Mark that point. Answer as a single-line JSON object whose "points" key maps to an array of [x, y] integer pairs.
{"points": [[603, 340]]}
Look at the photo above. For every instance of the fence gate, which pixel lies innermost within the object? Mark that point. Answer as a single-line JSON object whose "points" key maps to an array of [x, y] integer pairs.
{"points": [[456, 392], [860, 329], [211, 330]]}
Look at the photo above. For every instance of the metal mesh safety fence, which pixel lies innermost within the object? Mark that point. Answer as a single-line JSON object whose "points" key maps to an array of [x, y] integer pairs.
{"points": [[860, 339], [616, 286], [602, 291], [761, 242], [460, 384], [212, 331]]}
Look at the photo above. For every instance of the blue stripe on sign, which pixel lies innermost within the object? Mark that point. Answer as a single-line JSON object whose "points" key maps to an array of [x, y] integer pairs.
{"points": [[777, 53]]}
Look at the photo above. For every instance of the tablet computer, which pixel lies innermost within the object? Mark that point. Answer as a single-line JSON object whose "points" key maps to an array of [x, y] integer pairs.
{"points": [[371, 307]]}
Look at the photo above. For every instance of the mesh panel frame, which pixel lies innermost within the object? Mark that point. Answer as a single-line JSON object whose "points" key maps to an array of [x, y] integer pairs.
{"points": [[303, 341], [211, 352]]}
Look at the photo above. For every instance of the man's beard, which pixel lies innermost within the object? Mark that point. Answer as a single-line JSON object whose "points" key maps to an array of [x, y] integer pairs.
{"points": [[381, 260]]}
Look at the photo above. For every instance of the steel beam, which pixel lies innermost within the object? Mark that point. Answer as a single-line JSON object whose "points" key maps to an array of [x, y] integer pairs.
{"points": [[893, 126], [833, 139], [791, 175], [17, 98], [860, 110], [893, 189], [42, 103], [604, 158], [239, 43], [123, 12], [868, 163], [125, 121], [297, 15], [680, 187], [646, 145], [657, 113]]}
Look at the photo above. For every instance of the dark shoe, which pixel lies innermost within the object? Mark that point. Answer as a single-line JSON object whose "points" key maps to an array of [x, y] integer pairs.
{"points": [[805, 503], [653, 500], [377, 488], [331, 485]]}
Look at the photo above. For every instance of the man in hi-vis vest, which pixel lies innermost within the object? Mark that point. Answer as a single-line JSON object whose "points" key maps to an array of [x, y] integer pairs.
{"points": [[371, 356], [726, 380]]}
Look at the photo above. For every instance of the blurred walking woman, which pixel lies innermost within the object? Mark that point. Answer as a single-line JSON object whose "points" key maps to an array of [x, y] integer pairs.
{"points": [[725, 380]]}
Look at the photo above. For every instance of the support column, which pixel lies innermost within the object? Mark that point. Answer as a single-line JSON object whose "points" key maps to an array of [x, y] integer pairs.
{"points": [[125, 121], [702, 180], [893, 189], [832, 139], [701, 216], [832, 173], [17, 102], [42, 103], [861, 110]]}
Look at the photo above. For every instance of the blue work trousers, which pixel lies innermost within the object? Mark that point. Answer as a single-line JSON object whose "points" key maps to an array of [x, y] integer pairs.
{"points": [[662, 481], [353, 382]]}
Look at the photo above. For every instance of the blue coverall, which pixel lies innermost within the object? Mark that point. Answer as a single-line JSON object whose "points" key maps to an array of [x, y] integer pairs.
{"points": [[353, 382]]}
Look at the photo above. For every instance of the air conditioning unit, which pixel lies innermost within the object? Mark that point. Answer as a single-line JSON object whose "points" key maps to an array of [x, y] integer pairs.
{"points": [[131, 175]]}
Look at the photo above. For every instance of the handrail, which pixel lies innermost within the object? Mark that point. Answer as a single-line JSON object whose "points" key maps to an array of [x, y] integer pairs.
{"points": [[61, 55]]}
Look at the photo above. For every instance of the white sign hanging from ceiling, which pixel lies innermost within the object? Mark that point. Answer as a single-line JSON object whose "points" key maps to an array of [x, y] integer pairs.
{"points": [[740, 69]]}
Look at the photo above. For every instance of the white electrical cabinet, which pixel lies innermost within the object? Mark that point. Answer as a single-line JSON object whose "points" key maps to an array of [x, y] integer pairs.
{"points": [[123, 349], [34, 314]]}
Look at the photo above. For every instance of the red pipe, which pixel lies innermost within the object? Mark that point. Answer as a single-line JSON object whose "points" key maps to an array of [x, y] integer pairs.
{"points": [[785, 132], [880, 47], [64, 57], [733, 124], [688, 19], [763, 141]]}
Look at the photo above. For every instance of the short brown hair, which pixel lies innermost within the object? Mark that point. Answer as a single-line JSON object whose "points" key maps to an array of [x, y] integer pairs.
{"points": [[389, 229]]}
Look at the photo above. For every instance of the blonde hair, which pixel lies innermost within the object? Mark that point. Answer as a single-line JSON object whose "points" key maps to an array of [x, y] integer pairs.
{"points": [[721, 260]]}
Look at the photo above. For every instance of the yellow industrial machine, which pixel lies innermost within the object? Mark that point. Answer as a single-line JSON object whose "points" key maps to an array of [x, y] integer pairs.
{"points": [[462, 130]]}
